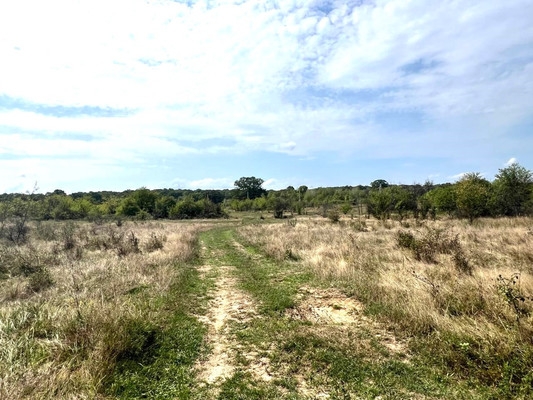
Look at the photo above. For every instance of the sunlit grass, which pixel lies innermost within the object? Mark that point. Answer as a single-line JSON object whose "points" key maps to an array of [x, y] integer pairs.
{"points": [[475, 322], [63, 339]]}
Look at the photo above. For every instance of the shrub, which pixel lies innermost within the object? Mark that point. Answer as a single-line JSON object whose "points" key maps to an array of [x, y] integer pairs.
{"points": [[359, 225], [40, 280], [405, 239], [68, 233], [510, 289], [434, 242], [155, 242], [128, 245], [334, 215], [45, 231], [346, 208]]}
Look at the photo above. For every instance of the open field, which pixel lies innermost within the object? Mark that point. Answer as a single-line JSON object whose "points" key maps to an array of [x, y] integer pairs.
{"points": [[299, 309]]}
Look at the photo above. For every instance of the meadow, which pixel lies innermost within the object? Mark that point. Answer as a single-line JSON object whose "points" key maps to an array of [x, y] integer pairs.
{"points": [[257, 308]]}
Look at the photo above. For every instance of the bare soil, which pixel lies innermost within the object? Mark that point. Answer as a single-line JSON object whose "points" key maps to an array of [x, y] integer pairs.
{"points": [[228, 304], [323, 307]]}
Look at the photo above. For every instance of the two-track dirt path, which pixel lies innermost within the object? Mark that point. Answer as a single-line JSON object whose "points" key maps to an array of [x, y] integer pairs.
{"points": [[228, 304], [249, 350]]}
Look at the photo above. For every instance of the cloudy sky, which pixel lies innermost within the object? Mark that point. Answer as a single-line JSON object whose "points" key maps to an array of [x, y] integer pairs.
{"points": [[111, 95]]}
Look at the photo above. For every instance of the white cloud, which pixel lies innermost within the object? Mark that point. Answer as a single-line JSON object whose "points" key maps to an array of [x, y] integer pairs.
{"points": [[458, 176], [511, 161], [211, 183], [290, 77], [270, 183]]}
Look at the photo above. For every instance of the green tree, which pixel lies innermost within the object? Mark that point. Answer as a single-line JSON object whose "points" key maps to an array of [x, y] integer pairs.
{"points": [[249, 187], [82, 207], [278, 203], [472, 195], [163, 205], [442, 199], [379, 184], [145, 199], [512, 190], [128, 207], [260, 203], [301, 192], [401, 201], [379, 203], [185, 209]]}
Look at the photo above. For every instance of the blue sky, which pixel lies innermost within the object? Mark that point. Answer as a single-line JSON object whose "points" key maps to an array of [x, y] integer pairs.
{"points": [[114, 95]]}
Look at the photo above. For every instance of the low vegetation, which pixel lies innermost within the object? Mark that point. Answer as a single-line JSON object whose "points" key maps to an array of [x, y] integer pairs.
{"points": [[461, 293], [472, 197], [418, 291], [96, 310]]}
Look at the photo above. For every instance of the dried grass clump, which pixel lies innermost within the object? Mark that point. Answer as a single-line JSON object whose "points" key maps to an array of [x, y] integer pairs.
{"points": [[68, 303], [469, 283]]}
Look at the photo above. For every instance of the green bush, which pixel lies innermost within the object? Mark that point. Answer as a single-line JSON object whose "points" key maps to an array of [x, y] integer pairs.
{"points": [[334, 215]]}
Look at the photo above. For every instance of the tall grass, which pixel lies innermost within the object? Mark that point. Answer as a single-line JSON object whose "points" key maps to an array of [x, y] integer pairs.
{"points": [[463, 292], [74, 298]]}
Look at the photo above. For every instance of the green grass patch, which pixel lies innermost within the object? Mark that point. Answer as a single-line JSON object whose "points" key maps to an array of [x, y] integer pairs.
{"points": [[345, 363], [273, 284], [242, 386], [157, 354]]}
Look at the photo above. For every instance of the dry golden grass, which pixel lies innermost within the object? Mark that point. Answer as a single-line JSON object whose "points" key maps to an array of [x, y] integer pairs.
{"points": [[476, 304], [61, 330]]}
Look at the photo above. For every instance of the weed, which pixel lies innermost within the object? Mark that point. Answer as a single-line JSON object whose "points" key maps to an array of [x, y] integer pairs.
{"points": [[510, 289], [292, 222], [405, 239], [434, 242], [461, 262], [68, 235], [334, 215], [155, 242], [358, 225], [291, 255], [45, 231], [40, 280]]}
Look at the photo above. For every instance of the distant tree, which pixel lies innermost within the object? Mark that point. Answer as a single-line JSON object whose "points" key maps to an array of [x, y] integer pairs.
{"points": [[512, 190], [472, 195], [186, 209], [278, 203], [250, 187], [442, 199], [301, 192], [163, 205], [128, 207], [401, 201], [379, 203], [379, 184], [216, 196], [145, 199]]}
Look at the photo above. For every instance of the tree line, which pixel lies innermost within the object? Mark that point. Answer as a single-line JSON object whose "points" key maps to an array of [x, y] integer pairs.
{"points": [[473, 196]]}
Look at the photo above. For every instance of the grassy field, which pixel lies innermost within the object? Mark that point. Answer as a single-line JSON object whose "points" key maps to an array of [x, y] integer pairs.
{"points": [[253, 308]]}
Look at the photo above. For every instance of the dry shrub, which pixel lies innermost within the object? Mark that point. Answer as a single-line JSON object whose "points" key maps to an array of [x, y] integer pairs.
{"points": [[431, 243], [155, 242]]}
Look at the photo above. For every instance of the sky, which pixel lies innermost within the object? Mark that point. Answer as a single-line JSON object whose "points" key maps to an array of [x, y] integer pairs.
{"points": [[122, 94]]}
